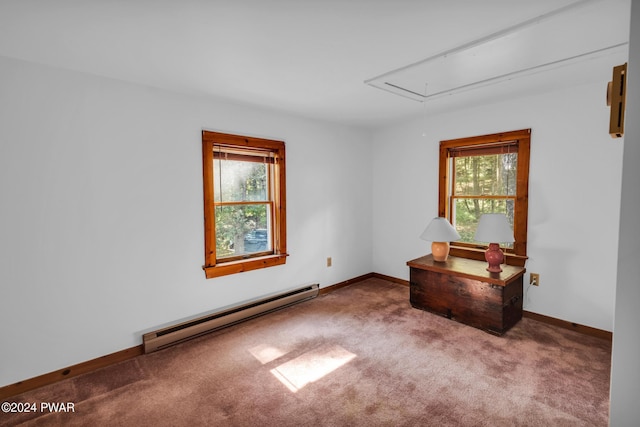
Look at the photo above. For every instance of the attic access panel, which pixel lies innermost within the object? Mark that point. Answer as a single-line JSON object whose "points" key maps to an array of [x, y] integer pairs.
{"points": [[581, 31]]}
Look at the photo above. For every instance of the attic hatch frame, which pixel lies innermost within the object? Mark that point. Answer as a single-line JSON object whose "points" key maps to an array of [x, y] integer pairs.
{"points": [[382, 81]]}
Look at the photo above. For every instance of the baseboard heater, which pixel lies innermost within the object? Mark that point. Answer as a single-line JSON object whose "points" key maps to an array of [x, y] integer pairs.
{"points": [[184, 331]]}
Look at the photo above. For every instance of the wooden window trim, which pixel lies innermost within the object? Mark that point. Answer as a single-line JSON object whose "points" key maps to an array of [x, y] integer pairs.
{"points": [[517, 255], [278, 256]]}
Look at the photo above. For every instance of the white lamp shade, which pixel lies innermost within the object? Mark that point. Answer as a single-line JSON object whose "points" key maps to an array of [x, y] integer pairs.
{"points": [[494, 228], [439, 230]]}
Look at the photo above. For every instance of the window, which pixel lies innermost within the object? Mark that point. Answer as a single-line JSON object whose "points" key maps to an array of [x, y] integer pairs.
{"points": [[244, 203], [486, 174]]}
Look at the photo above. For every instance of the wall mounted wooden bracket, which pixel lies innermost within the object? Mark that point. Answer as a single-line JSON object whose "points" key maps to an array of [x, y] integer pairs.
{"points": [[616, 97]]}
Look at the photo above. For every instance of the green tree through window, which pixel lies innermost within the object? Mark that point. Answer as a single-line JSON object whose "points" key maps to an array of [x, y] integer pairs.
{"points": [[482, 184], [242, 205]]}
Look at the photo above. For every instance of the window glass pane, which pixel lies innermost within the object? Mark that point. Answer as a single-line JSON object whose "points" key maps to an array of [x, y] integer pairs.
{"points": [[242, 229], [238, 181], [493, 175], [467, 212]]}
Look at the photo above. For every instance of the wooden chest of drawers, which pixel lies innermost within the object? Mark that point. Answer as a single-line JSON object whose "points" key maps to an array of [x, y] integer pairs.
{"points": [[461, 289]]}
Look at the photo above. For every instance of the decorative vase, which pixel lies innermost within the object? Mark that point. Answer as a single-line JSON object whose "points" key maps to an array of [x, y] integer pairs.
{"points": [[494, 257]]}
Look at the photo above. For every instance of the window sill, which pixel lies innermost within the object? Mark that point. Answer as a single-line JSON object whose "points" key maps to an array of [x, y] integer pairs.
{"points": [[233, 267], [478, 254]]}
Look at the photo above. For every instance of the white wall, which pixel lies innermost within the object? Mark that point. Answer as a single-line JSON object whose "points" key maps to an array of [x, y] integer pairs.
{"points": [[625, 372], [101, 234], [574, 184], [101, 196]]}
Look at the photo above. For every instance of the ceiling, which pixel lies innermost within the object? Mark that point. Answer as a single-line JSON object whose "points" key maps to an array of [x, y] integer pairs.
{"points": [[321, 58]]}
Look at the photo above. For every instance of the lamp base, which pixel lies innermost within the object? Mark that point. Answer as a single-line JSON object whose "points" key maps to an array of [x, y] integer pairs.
{"points": [[494, 257], [440, 251]]}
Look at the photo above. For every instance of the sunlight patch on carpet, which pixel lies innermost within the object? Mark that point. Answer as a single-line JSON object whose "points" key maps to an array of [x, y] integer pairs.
{"points": [[311, 366], [266, 353]]}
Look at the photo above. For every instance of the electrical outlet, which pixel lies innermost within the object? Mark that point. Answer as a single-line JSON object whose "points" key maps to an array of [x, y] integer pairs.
{"points": [[328, 261], [534, 279]]}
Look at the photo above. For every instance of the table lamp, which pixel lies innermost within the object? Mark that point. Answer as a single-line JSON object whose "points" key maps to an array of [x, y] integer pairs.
{"points": [[440, 232], [494, 228]]}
